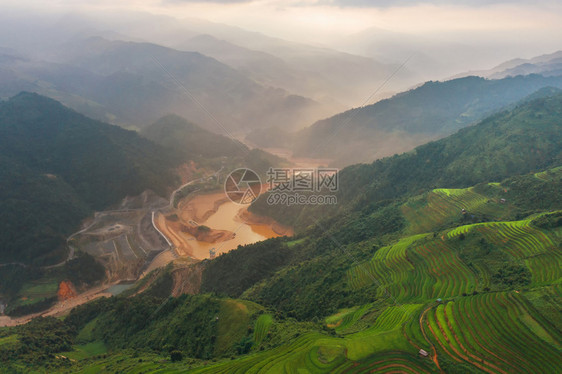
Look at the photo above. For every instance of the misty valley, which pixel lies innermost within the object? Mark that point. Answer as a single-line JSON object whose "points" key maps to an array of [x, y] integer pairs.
{"points": [[280, 187]]}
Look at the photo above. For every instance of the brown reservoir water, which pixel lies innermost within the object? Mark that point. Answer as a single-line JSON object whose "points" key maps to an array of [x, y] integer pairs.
{"points": [[230, 223]]}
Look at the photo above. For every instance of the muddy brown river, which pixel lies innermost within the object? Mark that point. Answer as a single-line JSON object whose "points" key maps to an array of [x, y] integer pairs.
{"points": [[238, 226]]}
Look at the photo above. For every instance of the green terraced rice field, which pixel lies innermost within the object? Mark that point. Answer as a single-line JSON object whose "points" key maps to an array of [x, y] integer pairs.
{"points": [[497, 333], [415, 272], [442, 206], [318, 353], [418, 268], [347, 318], [390, 362], [261, 328], [539, 248], [549, 174], [387, 261]]}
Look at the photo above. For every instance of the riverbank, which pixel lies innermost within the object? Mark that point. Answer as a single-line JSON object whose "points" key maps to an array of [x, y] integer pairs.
{"points": [[210, 223]]}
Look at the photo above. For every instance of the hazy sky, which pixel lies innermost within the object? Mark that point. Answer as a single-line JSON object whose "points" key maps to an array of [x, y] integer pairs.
{"points": [[320, 20], [485, 32]]}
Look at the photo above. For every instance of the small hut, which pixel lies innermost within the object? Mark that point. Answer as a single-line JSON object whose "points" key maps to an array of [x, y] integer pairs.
{"points": [[423, 353]]}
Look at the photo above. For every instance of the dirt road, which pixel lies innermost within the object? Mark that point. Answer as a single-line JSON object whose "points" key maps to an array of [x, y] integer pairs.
{"points": [[61, 307]]}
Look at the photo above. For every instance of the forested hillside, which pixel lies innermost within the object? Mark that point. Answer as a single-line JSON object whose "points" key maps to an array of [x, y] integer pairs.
{"points": [[445, 259], [517, 141], [281, 187], [429, 112], [190, 140], [57, 166], [329, 303]]}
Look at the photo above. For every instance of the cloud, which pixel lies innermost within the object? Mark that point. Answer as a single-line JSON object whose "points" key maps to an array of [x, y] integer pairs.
{"points": [[212, 1], [405, 3]]}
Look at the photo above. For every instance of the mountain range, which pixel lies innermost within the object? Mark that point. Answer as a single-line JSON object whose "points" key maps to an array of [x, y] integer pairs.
{"points": [[134, 84], [517, 141], [440, 250], [295, 84], [547, 65], [398, 124], [465, 226]]}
